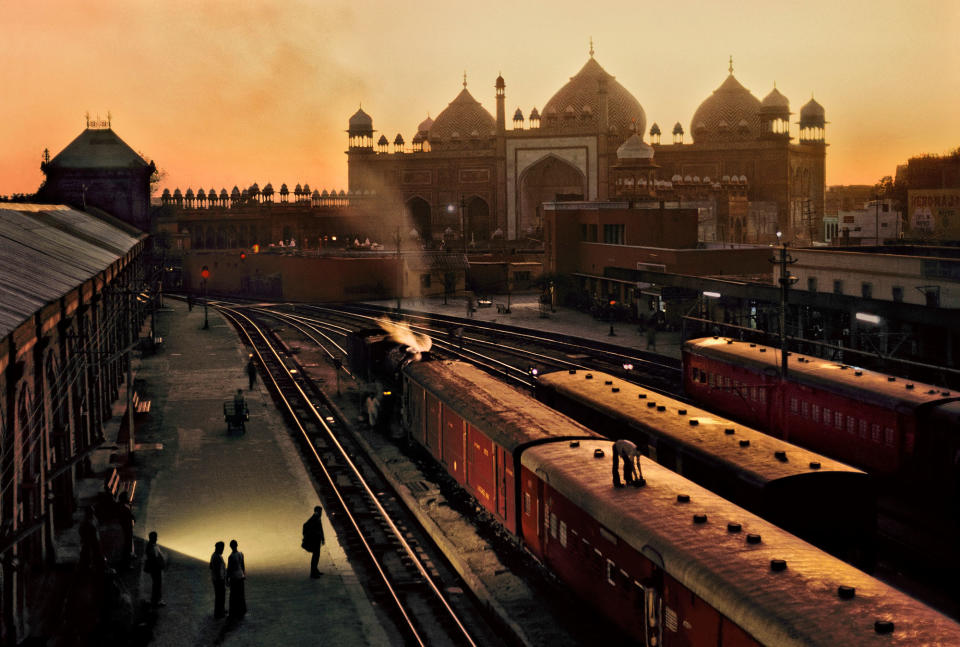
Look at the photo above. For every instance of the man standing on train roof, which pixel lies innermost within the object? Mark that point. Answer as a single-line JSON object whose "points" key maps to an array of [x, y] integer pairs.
{"points": [[631, 461]]}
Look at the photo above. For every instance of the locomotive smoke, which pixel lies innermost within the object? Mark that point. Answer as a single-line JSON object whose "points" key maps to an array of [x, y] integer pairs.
{"points": [[400, 332]]}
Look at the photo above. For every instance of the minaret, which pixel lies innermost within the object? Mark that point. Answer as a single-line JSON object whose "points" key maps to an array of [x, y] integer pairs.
{"points": [[501, 87]]}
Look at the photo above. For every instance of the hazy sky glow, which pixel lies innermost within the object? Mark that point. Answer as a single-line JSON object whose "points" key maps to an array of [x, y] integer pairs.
{"points": [[225, 93]]}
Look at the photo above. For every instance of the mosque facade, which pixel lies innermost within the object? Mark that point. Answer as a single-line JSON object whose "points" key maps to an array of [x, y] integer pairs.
{"points": [[465, 173]]}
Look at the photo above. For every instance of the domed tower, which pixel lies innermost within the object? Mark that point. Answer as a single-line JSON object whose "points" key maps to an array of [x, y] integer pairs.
{"points": [[360, 131], [654, 135], [813, 121], [677, 133], [775, 116], [730, 114]]}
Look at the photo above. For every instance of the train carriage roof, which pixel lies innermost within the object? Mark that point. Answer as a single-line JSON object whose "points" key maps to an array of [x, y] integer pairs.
{"points": [[757, 462], [798, 606], [510, 418], [865, 385]]}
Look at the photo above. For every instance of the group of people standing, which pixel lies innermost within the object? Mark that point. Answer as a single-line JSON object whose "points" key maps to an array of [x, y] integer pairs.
{"points": [[232, 573]]}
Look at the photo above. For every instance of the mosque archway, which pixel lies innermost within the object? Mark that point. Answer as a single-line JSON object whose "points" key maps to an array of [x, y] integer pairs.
{"points": [[418, 211], [478, 223], [549, 180]]}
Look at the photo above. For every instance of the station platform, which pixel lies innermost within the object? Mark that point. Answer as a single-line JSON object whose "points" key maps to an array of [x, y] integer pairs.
{"points": [[525, 312], [199, 485]]}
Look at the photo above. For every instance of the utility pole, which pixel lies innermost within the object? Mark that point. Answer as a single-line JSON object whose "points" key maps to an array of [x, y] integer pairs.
{"points": [[786, 280], [399, 273], [877, 220], [205, 274]]}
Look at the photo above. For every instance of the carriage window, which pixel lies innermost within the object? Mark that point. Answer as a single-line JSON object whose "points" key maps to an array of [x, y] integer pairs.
{"points": [[815, 412], [793, 406], [888, 436], [805, 409], [563, 534], [762, 392], [875, 432], [526, 503], [838, 420], [611, 572], [703, 377], [863, 429], [712, 380], [753, 393], [553, 525], [851, 425]]}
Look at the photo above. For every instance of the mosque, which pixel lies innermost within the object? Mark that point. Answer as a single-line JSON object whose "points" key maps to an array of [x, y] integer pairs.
{"points": [[466, 173]]}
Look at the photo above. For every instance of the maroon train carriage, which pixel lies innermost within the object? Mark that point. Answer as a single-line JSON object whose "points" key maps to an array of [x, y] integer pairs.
{"points": [[824, 501], [476, 426], [676, 565], [880, 422]]}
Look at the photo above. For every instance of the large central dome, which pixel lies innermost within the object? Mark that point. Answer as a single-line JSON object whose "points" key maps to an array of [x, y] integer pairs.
{"points": [[578, 100], [464, 118], [731, 113]]}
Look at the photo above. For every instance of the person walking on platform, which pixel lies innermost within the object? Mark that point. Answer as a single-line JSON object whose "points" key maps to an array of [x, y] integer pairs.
{"points": [[313, 539], [218, 573], [236, 574], [631, 461], [251, 372], [154, 563]]}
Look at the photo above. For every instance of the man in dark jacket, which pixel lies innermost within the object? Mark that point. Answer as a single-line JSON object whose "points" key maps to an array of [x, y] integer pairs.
{"points": [[313, 539], [154, 563]]}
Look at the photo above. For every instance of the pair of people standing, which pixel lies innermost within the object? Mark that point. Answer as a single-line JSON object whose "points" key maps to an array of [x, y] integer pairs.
{"points": [[233, 573]]}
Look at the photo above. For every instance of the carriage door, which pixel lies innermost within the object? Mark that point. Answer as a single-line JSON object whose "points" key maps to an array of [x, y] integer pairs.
{"points": [[648, 598]]}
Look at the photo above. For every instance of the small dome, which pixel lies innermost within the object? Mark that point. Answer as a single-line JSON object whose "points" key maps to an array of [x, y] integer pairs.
{"points": [[324, 194], [176, 193], [383, 141], [655, 129], [306, 189], [696, 179], [298, 190], [418, 138], [726, 178], [731, 103], [463, 115], [202, 194], [398, 140], [425, 125], [775, 102], [812, 114], [518, 115], [283, 189], [687, 178], [268, 189], [500, 84], [361, 122], [534, 114], [212, 194], [166, 193], [676, 178], [342, 194], [677, 129], [634, 148], [706, 179], [223, 194], [316, 194], [743, 179]]}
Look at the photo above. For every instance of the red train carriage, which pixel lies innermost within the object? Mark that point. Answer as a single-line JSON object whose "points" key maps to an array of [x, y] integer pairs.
{"points": [[880, 422], [824, 501], [476, 427], [673, 564]]}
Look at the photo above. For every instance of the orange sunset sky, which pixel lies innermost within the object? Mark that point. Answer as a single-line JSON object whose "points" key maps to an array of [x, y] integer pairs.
{"points": [[230, 93]]}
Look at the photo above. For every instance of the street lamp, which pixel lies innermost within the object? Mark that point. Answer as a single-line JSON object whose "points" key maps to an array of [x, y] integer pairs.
{"points": [[786, 280], [205, 273]]}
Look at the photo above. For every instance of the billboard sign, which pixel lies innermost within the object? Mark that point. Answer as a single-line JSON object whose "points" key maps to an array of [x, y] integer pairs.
{"points": [[934, 213]]}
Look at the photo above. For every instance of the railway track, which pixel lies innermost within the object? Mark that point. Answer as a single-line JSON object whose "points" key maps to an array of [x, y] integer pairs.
{"points": [[404, 571]]}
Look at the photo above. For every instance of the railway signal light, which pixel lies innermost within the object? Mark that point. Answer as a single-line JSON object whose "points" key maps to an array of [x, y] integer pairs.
{"points": [[255, 249], [205, 272], [243, 256]]}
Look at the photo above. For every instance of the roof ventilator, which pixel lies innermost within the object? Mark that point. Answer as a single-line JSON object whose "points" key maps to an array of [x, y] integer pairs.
{"points": [[598, 453], [753, 538], [683, 498], [846, 592], [814, 465], [661, 408], [699, 518], [608, 382], [574, 443], [733, 526], [744, 443], [909, 387], [777, 565], [616, 389], [729, 431], [681, 412], [589, 376], [572, 371], [641, 396], [694, 422], [883, 626], [780, 455], [651, 404]]}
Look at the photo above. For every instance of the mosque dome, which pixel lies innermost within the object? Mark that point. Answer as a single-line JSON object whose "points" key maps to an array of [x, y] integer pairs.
{"points": [[580, 92], [812, 114], [361, 121], [425, 125], [775, 102], [731, 113], [463, 116], [634, 148]]}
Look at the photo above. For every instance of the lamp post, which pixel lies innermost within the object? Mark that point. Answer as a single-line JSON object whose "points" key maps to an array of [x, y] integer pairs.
{"points": [[463, 230], [877, 219], [205, 273], [785, 282]]}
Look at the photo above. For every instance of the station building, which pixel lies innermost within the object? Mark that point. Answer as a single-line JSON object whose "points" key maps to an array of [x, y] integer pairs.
{"points": [[465, 172], [72, 301]]}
